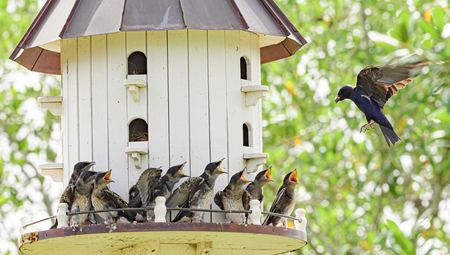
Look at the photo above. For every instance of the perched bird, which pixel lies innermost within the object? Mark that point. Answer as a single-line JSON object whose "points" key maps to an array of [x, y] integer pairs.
{"points": [[234, 197], [255, 187], [69, 192], [196, 192], [104, 199], [374, 86], [164, 187], [141, 191], [284, 202], [82, 199]]}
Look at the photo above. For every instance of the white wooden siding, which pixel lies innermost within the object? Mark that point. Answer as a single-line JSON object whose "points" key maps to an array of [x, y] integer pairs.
{"points": [[136, 41], [193, 102]]}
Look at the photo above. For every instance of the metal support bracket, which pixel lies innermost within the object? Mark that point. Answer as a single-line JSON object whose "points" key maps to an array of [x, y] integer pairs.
{"points": [[134, 87], [253, 93], [136, 153], [254, 160], [54, 104]]}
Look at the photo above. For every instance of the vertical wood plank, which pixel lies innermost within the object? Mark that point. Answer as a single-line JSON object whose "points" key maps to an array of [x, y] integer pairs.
{"points": [[65, 110], [234, 103], [117, 112], [84, 98], [247, 112], [136, 41], [158, 99], [100, 147], [198, 103], [72, 104], [218, 109], [178, 98]]}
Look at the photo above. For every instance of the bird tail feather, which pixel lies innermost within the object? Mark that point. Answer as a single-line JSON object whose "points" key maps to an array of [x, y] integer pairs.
{"points": [[390, 135]]}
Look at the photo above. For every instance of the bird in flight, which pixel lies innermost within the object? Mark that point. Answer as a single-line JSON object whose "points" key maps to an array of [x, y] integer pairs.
{"points": [[374, 86]]}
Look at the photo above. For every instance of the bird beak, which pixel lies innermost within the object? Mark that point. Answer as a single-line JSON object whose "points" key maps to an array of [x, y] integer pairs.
{"points": [[243, 177], [220, 169], [181, 170], [107, 176], [294, 177], [337, 99], [268, 174]]}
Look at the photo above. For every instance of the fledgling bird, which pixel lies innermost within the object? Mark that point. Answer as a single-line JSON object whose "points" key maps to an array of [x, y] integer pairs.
{"points": [[164, 187], [234, 197], [82, 199], [141, 191], [69, 192], [196, 192], [284, 202], [374, 86], [255, 188], [103, 199]]}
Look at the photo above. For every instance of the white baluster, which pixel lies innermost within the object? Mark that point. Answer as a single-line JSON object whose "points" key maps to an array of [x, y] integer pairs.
{"points": [[24, 220], [255, 216], [61, 216], [160, 209], [300, 214]]}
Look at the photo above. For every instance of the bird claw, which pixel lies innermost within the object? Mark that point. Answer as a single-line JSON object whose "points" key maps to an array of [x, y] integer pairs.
{"points": [[366, 127]]}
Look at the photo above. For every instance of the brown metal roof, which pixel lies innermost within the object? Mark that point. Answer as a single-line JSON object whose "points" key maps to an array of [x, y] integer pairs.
{"points": [[76, 18]]}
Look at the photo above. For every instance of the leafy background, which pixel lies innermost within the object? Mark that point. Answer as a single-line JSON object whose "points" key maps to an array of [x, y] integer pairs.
{"points": [[361, 197]]}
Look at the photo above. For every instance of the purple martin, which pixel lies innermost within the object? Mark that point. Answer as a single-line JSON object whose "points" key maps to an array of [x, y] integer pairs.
{"points": [[255, 188]]}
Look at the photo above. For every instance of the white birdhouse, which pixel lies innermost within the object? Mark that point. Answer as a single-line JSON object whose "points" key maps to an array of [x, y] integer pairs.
{"points": [[158, 83]]}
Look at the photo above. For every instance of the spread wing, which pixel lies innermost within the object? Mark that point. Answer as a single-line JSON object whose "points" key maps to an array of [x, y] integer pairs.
{"points": [[246, 197], [115, 201], [147, 181], [68, 196], [275, 205], [382, 82], [218, 200], [182, 194]]}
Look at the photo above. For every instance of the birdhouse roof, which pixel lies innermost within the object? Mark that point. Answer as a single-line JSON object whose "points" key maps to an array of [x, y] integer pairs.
{"points": [[40, 46]]}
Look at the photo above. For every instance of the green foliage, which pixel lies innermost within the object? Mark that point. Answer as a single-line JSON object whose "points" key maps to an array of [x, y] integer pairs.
{"points": [[360, 195]]}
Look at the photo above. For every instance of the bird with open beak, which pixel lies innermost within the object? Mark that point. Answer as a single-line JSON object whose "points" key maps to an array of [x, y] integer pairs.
{"points": [[140, 192], [82, 199], [164, 187], [196, 192], [374, 87], [104, 199], [255, 188], [284, 202], [234, 197], [68, 194]]}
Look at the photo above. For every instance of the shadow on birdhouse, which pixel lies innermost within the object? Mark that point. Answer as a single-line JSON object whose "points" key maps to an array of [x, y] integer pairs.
{"points": [[137, 63], [138, 131]]}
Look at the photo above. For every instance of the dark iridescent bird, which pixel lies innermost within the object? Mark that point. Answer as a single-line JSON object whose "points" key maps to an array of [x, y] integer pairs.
{"points": [[255, 188], [374, 86], [141, 191], [69, 192], [103, 199], [284, 202], [196, 192], [82, 199], [234, 197], [164, 187]]}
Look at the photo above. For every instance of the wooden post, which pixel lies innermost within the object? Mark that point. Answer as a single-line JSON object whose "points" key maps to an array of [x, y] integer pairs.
{"points": [[61, 216], [160, 209], [255, 216], [24, 220]]}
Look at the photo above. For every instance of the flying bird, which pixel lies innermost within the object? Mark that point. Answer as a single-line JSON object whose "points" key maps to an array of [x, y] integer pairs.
{"points": [[140, 192], [69, 192], [104, 199], [164, 187], [196, 192], [234, 197], [255, 188], [284, 202], [82, 199], [374, 87]]}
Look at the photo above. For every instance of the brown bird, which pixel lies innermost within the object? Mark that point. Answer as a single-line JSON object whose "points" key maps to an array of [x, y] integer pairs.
{"points": [[255, 188], [284, 202], [234, 197], [82, 200]]}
